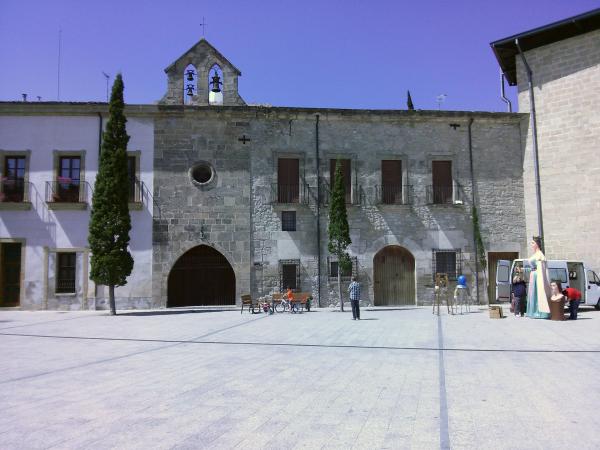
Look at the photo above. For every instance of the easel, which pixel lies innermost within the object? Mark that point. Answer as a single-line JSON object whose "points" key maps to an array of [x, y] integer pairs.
{"points": [[441, 293], [462, 296]]}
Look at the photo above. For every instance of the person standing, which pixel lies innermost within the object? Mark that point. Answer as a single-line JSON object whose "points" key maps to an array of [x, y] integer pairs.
{"points": [[574, 297], [354, 290], [538, 296], [519, 293]]}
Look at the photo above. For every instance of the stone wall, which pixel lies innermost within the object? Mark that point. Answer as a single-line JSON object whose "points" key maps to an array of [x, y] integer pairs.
{"points": [[242, 220], [566, 78]]}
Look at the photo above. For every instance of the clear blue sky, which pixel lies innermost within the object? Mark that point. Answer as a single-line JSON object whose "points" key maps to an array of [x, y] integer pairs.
{"points": [[314, 53]]}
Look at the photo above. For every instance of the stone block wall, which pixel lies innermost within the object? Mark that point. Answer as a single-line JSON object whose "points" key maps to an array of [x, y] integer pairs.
{"points": [[566, 78]]}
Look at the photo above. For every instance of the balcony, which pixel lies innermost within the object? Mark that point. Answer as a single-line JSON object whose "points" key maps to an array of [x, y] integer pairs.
{"points": [[136, 194], [290, 193], [394, 195], [67, 194], [14, 194], [354, 197], [444, 195]]}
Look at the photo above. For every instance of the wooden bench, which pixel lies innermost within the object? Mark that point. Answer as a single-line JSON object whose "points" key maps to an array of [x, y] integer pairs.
{"points": [[247, 301]]}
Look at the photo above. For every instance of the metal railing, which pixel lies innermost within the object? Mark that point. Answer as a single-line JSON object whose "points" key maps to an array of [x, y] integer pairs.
{"points": [[354, 197], [67, 191], [290, 193], [394, 194], [444, 195], [14, 190], [136, 191]]}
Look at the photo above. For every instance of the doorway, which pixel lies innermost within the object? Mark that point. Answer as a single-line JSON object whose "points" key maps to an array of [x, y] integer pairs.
{"points": [[201, 277], [394, 277], [10, 273]]}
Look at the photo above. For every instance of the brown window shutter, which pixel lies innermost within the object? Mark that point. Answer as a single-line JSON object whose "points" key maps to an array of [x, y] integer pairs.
{"points": [[441, 173], [391, 181], [288, 180]]}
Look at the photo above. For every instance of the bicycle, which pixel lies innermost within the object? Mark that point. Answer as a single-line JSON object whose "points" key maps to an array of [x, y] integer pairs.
{"points": [[285, 305]]}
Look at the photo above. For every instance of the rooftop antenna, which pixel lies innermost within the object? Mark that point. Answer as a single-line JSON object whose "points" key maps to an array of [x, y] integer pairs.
{"points": [[441, 99], [58, 70], [107, 76], [203, 25]]}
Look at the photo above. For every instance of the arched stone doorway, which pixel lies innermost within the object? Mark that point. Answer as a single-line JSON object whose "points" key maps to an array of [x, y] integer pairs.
{"points": [[201, 277], [394, 277]]}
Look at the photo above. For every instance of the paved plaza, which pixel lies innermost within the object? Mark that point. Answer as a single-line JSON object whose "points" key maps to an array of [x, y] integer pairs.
{"points": [[399, 378]]}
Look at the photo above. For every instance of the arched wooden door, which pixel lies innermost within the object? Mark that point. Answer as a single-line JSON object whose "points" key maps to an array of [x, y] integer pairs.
{"points": [[201, 277], [394, 276]]}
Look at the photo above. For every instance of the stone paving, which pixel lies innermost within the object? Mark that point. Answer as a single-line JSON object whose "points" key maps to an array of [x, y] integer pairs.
{"points": [[399, 378]]}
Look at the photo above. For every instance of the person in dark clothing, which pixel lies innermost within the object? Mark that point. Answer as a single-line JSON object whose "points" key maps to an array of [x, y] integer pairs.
{"points": [[354, 290], [574, 297], [519, 294]]}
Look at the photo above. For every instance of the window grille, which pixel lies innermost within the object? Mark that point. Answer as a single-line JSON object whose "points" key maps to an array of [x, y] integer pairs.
{"points": [[448, 262], [65, 277], [289, 274], [332, 264], [288, 220]]}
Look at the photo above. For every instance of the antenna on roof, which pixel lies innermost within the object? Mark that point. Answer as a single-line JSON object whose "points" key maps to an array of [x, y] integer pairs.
{"points": [[441, 99], [58, 69]]}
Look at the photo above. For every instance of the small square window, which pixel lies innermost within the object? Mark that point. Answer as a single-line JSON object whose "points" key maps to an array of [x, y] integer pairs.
{"points": [[288, 220], [448, 262]]}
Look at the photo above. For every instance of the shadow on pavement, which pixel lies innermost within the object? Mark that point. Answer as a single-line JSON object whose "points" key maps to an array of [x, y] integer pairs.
{"points": [[164, 312]]}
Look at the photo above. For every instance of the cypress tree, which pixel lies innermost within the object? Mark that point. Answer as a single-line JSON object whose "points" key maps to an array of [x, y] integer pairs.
{"points": [[110, 223], [409, 102], [339, 231]]}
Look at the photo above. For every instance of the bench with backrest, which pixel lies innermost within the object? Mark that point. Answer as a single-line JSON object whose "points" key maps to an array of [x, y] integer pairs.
{"points": [[247, 301]]}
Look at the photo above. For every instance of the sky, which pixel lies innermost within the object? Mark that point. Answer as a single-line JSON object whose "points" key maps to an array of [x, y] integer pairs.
{"points": [[305, 53]]}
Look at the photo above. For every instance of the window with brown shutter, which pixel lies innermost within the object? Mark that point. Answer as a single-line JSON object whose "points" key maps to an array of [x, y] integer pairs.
{"points": [[441, 174], [346, 174], [288, 180], [391, 182]]}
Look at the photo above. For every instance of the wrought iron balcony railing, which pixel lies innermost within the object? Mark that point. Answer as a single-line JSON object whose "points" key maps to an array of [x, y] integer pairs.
{"points": [[394, 194], [290, 193], [444, 195], [354, 197], [67, 191], [14, 190]]}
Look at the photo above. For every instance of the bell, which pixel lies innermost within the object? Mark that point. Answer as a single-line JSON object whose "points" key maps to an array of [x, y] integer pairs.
{"points": [[216, 81], [190, 89], [190, 75]]}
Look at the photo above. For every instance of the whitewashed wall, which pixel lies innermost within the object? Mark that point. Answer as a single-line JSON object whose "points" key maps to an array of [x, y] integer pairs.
{"points": [[46, 230]]}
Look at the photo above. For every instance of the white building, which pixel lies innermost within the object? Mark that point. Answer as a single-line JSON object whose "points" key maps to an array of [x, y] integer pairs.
{"points": [[44, 218]]}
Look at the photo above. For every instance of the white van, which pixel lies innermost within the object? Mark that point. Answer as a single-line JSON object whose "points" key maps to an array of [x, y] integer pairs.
{"points": [[570, 273]]}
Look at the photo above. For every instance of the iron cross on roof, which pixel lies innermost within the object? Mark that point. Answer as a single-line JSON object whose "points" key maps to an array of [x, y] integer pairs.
{"points": [[244, 139], [203, 25]]}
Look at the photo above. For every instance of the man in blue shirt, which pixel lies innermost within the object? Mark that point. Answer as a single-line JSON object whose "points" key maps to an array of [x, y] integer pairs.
{"points": [[354, 290]]}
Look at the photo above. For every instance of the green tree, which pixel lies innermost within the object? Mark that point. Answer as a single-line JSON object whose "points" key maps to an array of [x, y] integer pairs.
{"points": [[409, 102], [110, 223], [339, 231]]}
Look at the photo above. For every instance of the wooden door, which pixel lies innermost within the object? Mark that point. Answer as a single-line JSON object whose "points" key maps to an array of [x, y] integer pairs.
{"points": [[391, 182], [201, 277], [346, 174], [394, 277], [10, 274], [288, 180], [493, 258], [441, 174]]}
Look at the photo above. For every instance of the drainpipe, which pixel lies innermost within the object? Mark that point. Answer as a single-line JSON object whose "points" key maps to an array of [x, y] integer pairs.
{"points": [[318, 161], [502, 95], [470, 137], [534, 139], [99, 137]]}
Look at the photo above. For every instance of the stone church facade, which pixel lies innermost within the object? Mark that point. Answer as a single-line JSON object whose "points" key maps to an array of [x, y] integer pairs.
{"points": [[264, 202], [231, 198]]}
